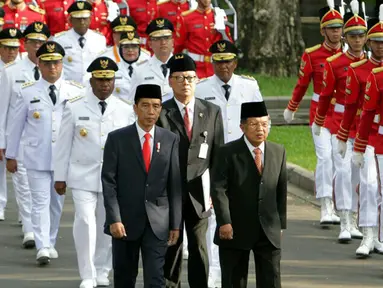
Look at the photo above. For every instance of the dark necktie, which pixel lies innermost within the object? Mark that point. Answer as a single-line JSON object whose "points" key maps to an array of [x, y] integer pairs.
{"points": [[81, 41], [146, 151], [36, 73], [130, 70], [103, 106], [227, 92], [52, 94], [164, 69]]}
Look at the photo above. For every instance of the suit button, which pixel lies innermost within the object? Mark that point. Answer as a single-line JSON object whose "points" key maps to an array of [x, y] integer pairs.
{"points": [[146, 201], [147, 185]]}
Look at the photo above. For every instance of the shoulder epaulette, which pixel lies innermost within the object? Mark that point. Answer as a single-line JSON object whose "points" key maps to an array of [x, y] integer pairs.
{"points": [[1, 4], [145, 51], [9, 64], [359, 63], [124, 100], [202, 80], [74, 99], [25, 85], [163, 2], [37, 9], [98, 32], [185, 13], [333, 57], [103, 51], [248, 77], [74, 83], [60, 33], [312, 49], [142, 62], [377, 70]]}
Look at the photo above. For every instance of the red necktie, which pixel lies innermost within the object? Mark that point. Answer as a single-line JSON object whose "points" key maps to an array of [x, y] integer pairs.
{"points": [[146, 151], [258, 159], [187, 123]]}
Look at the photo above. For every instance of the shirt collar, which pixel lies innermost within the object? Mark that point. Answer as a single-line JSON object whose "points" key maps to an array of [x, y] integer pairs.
{"points": [[46, 84], [78, 35], [221, 83], [158, 62], [251, 147], [96, 101], [141, 132], [29, 63], [190, 105]]}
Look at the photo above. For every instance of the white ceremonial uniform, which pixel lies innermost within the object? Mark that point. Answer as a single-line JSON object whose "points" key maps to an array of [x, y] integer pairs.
{"points": [[242, 89], [13, 76], [78, 162], [77, 59], [39, 119], [150, 72], [3, 170], [113, 53]]}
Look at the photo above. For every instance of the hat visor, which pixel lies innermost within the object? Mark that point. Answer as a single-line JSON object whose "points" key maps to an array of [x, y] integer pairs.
{"points": [[50, 57], [334, 25], [103, 74], [80, 14], [123, 28], [378, 39], [222, 57], [161, 33], [36, 36], [127, 41], [10, 42], [356, 32]]}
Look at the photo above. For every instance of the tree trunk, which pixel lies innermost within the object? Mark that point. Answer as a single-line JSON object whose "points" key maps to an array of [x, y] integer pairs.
{"points": [[270, 36]]}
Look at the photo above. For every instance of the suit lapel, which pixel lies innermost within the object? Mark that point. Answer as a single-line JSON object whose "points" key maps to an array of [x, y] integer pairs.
{"points": [[156, 142], [134, 140], [174, 115], [199, 118]]}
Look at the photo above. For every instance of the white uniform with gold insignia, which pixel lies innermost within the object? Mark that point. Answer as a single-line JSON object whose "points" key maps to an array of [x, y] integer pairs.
{"points": [[13, 76], [77, 59], [39, 119], [242, 89], [114, 54], [78, 162], [150, 72]]}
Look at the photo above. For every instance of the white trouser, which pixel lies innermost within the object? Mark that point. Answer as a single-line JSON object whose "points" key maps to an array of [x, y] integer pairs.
{"points": [[345, 178], [324, 167], [379, 159], [93, 247], [212, 249], [3, 185], [368, 190], [185, 240], [46, 208]]}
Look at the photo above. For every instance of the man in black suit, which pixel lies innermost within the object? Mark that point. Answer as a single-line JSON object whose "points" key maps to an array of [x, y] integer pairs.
{"points": [[249, 192], [198, 123], [142, 193]]}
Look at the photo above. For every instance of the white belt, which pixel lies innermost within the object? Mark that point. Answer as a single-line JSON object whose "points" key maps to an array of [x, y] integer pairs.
{"points": [[339, 108], [143, 40], [199, 57], [380, 131], [315, 97]]}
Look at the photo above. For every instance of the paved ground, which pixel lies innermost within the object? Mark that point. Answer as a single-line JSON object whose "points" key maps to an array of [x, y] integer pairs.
{"points": [[311, 256]]}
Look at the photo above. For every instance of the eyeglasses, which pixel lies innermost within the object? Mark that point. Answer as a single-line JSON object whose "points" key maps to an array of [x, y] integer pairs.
{"points": [[165, 38], [181, 79], [253, 125]]}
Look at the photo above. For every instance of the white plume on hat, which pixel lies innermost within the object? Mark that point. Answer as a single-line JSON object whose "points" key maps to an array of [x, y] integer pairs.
{"points": [[381, 12], [354, 6], [331, 4]]}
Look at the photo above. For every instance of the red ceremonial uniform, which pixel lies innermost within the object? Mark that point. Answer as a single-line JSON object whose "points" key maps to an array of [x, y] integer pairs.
{"points": [[355, 87], [143, 12], [311, 68], [334, 86], [172, 10], [99, 21], [370, 130], [56, 14], [195, 32]]}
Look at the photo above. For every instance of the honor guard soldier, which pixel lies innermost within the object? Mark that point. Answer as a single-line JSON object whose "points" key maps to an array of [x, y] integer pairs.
{"points": [[85, 125], [37, 114], [196, 32], [81, 44], [9, 49], [154, 70], [311, 69], [228, 91], [14, 75], [2, 14], [56, 14], [143, 12], [172, 9], [355, 90], [329, 115]]}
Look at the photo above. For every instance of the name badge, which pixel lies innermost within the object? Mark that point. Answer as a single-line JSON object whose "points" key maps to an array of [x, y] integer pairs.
{"points": [[209, 98], [203, 151], [58, 9], [35, 101], [172, 13], [68, 47], [149, 78], [118, 77], [83, 118], [198, 26], [20, 81]]}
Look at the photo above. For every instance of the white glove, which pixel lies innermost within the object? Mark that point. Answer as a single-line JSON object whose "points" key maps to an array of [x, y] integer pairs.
{"points": [[316, 129], [358, 159], [342, 148], [288, 115]]}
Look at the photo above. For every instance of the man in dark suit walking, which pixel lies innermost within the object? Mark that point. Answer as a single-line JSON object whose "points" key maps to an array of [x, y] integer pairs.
{"points": [[142, 193], [198, 123], [249, 192]]}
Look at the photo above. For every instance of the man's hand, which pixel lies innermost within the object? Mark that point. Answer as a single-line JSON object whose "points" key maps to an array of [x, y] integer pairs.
{"points": [[358, 159], [226, 232], [11, 165], [288, 115], [2, 154], [342, 148], [316, 129], [60, 187], [117, 230], [173, 237]]}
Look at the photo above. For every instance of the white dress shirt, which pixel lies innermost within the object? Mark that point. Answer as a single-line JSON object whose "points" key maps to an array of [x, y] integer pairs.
{"points": [[252, 148], [141, 136], [189, 106]]}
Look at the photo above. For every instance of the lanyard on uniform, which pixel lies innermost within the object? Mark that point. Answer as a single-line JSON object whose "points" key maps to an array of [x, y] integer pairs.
{"points": [[116, 54]]}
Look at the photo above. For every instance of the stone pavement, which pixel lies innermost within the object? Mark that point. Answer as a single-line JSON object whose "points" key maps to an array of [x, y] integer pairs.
{"points": [[311, 256]]}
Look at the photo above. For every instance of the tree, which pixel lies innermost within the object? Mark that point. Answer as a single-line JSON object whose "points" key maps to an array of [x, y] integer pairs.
{"points": [[270, 37]]}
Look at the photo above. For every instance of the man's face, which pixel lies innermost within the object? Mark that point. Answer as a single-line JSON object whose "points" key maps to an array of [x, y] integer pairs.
{"points": [[225, 69], [148, 110], [183, 85], [256, 129], [332, 35], [130, 52], [31, 46], [8, 54], [356, 42], [204, 3], [80, 25], [161, 46], [376, 48], [51, 70], [16, 2], [102, 87]]}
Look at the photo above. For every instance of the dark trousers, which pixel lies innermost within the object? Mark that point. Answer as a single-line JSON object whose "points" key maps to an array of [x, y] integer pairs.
{"points": [[126, 257], [235, 265], [198, 262]]}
